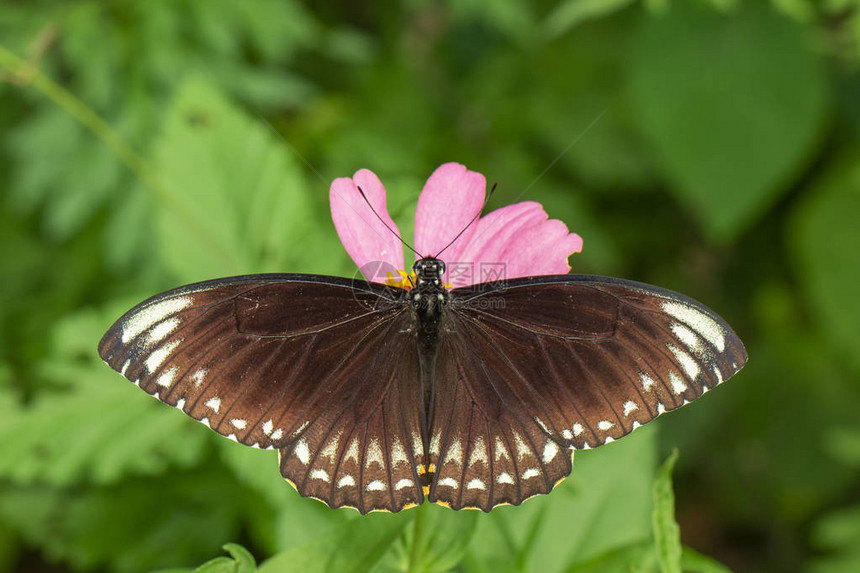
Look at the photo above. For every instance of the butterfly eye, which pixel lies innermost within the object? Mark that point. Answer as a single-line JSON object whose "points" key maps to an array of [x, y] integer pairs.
{"points": [[441, 268]]}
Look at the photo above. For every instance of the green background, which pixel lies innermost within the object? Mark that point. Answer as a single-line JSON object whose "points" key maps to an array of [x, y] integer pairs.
{"points": [[711, 147]]}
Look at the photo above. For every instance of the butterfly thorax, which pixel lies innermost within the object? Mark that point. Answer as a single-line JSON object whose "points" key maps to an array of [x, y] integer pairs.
{"points": [[429, 295]]}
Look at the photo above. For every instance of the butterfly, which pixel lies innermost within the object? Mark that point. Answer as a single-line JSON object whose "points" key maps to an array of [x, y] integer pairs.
{"points": [[379, 397]]}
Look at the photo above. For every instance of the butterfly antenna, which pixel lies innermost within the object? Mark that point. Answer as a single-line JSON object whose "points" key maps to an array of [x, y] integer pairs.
{"points": [[387, 226], [469, 224]]}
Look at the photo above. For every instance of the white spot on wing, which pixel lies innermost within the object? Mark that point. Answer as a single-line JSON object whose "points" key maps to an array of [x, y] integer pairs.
{"points": [[152, 314], [542, 425], [549, 451], [718, 374], [330, 449], [352, 451], [434, 443], [661, 409], [125, 366], [630, 406], [180, 404], [300, 428], [687, 363], [501, 450], [479, 452], [376, 485], [267, 427], [401, 483], [454, 453], [213, 403], [160, 330], [197, 377], [374, 454], [166, 379], [698, 321], [505, 477], [449, 482], [346, 481], [205, 422], [678, 385], [398, 454], [417, 445], [689, 338], [531, 473], [321, 475], [604, 425], [302, 451], [647, 381], [239, 423], [522, 449], [608, 439], [577, 429], [277, 434], [567, 434], [475, 483]]}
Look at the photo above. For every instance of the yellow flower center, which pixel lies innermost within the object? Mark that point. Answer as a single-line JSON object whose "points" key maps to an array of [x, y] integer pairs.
{"points": [[407, 280], [404, 281]]}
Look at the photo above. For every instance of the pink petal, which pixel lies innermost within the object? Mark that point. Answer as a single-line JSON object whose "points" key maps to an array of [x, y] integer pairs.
{"points": [[452, 196], [363, 235], [518, 241]]}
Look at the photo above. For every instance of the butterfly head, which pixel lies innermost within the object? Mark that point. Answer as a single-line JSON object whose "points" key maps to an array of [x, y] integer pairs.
{"points": [[428, 272]]}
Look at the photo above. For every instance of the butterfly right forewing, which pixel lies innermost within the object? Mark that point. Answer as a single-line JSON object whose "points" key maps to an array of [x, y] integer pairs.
{"points": [[541, 366]]}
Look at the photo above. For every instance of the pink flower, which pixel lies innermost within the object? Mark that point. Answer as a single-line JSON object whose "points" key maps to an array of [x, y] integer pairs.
{"points": [[515, 241]]}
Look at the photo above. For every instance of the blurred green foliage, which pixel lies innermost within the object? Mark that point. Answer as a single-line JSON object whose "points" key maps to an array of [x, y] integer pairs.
{"points": [[710, 146]]}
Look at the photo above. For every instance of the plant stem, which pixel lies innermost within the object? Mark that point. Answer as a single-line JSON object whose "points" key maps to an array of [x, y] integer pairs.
{"points": [[418, 526], [28, 74]]}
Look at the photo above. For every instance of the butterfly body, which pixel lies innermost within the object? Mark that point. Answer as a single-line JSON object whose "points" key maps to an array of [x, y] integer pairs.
{"points": [[380, 398]]}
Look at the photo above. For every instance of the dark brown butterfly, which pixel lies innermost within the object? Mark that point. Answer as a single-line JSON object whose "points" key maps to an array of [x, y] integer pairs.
{"points": [[378, 397]]}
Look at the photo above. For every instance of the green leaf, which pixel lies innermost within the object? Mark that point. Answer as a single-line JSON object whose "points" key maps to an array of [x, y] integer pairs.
{"points": [[354, 546], [667, 534], [843, 443], [732, 104], [137, 525], [694, 562], [570, 13], [242, 562], [442, 537], [604, 505], [97, 427], [837, 533], [235, 201], [827, 239], [637, 556], [288, 519]]}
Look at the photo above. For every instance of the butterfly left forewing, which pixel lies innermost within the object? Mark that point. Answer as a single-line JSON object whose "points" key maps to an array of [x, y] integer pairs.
{"points": [[316, 367]]}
